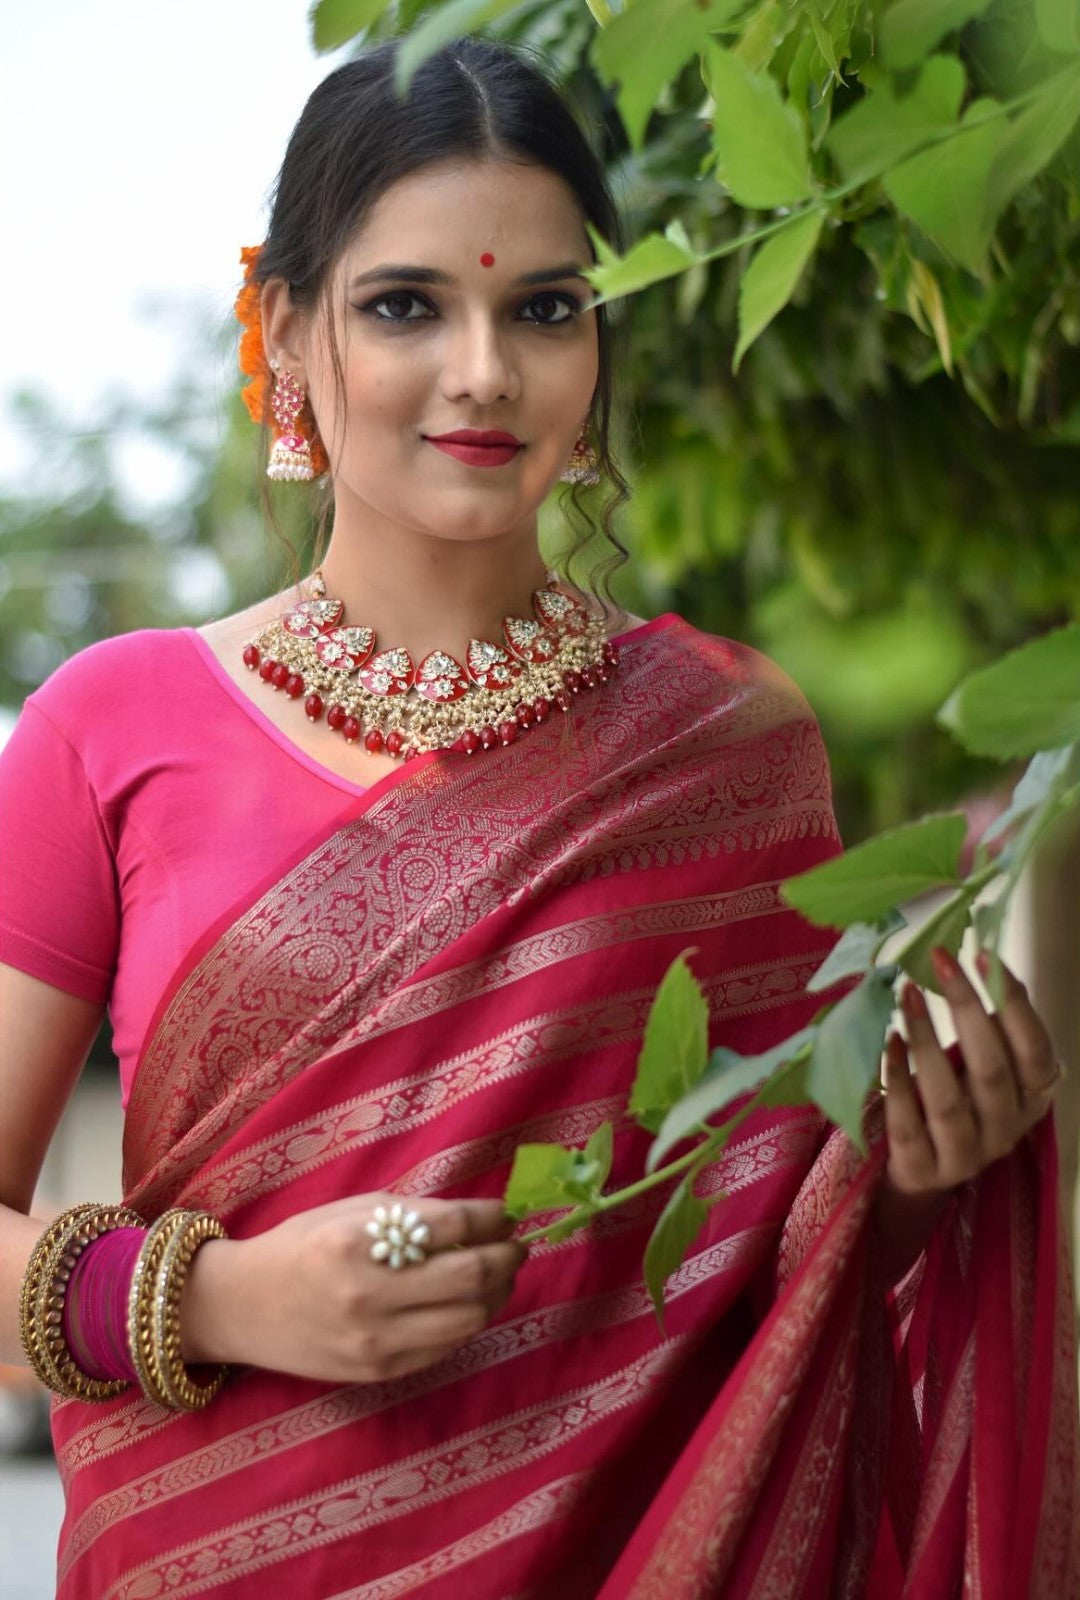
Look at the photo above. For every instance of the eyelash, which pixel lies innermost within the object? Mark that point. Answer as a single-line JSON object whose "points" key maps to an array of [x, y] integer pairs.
{"points": [[570, 301]]}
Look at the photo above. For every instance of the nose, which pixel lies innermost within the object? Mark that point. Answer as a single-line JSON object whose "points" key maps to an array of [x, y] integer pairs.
{"points": [[479, 363]]}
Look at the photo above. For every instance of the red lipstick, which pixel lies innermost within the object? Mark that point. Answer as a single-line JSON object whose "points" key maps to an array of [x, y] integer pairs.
{"points": [[478, 447]]}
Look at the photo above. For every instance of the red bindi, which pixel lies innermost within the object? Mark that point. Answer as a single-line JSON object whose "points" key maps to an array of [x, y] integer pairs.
{"points": [[487, 259]]}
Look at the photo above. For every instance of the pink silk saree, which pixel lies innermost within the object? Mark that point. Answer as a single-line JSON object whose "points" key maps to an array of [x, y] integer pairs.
{"points": [[463, 963]]}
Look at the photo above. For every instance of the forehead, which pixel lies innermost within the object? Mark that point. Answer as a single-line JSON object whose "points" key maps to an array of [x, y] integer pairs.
{"points": [[460, 208]]}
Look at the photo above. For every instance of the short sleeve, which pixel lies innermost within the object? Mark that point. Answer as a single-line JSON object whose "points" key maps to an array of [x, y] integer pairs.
{"points": [[59, 914]]}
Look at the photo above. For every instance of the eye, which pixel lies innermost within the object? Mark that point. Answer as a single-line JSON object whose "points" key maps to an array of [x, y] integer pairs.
{"points": [[551, 309], [397, 307]]}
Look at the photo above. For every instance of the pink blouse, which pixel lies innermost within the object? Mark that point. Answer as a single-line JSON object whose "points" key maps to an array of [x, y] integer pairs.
{"points": [[142, 796]]}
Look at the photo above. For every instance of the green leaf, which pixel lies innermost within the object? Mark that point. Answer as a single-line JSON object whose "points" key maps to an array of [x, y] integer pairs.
{"points": [[729, 1076], [599, 1150], [872, 879], [885, 127], [335, 22], [759, 140], [1027, 701], [547, 1177], [1058, 22], [769, 281], [854, 952], [1032, 139], [912, 27], [677, 1226], [642, 49], [674, 1052], [944, 189], [1045, 774], [446, 23], [655, 257], [846, 1058], [945, 926]]}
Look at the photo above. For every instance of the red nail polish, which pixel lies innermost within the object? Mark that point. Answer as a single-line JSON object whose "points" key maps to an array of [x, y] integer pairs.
{"points": [[982, 962], [943, 964]]}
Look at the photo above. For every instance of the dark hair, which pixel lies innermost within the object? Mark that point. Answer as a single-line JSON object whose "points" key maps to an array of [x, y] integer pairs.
{"points": [[356, 137]]}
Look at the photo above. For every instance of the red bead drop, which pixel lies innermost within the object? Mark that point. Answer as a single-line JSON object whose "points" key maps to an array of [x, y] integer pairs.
{"points": [[350, 729], [469, 742], [280, 675], [373, 741], [394, 743], [541, 708], [266, 671], [611, 655], [589, 678], [603, 675], [488, 738], [251, 656], [525, 715], [335, 717], [508, 732], [563, 700], [574, 681], [294, 686], [313, 705]]}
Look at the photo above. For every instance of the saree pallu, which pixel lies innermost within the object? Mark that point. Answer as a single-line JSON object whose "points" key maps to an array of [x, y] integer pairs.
{"points": [[464, 963]]}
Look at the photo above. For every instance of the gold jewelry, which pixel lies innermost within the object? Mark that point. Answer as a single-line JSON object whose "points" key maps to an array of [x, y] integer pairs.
{"points": [[584, 464], [154, 1310], [402, 709], [44, 1290]]}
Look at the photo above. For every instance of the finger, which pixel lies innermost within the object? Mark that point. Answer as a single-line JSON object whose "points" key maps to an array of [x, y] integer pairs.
{"points": [[950, 1116], [989, 1063], [457, 1277], [464, 1222], [912, 1160], [1037, 1068]]}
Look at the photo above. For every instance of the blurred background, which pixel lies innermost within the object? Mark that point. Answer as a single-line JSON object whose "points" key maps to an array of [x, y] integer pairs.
{"points": [[877, 523]]}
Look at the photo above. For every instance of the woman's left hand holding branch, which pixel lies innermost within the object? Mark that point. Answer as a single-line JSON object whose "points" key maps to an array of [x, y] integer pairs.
{"points": [[946, 1123]]}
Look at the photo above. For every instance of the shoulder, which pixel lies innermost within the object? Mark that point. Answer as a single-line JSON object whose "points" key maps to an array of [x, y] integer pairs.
{"points": [[105, 685], [737, 668]]}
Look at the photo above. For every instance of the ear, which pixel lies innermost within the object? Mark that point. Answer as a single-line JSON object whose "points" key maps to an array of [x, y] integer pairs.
{"points": [[284, 329]]}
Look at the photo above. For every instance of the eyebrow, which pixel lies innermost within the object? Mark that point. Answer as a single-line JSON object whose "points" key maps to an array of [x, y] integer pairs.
{"points": [[411, 274]]}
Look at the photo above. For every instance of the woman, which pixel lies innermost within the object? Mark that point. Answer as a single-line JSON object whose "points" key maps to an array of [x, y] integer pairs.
{"points": [[353, 961]]}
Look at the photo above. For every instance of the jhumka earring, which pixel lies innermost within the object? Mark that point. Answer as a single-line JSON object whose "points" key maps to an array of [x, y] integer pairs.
{"points": [[583, 466], [290, 458]]}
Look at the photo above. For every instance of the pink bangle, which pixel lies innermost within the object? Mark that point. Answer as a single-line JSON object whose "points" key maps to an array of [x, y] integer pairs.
{"points": [[96, 1305]]}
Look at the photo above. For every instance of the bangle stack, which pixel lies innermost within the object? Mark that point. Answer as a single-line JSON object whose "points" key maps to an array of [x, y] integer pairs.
{"points": [[153, 1305], [44, 1290], [154, 1310]]}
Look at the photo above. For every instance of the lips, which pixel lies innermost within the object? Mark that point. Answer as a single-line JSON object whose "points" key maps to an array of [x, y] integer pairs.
{"points": [[475, 447], [475, 436]]}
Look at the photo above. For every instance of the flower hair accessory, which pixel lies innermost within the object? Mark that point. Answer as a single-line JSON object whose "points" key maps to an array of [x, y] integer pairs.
{"points": [[254, 365]]}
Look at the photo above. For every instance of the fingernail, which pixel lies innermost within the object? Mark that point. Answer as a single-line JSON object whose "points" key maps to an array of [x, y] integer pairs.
{"points": [[944, 965], [913, 1001], [982, 963]]}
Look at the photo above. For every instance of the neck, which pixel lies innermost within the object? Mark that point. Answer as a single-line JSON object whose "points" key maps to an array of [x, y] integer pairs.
{"points": [[428, 593]]}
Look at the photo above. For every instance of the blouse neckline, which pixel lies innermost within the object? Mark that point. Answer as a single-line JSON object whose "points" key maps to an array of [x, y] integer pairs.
{"points": [[264, 724]]}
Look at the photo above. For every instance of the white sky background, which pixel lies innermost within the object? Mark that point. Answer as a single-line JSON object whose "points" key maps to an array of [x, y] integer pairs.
{"points": [[140, 139]]}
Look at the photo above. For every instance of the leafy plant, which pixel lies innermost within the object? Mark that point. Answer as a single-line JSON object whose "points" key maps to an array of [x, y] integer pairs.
{"points": [[835, 1061]]}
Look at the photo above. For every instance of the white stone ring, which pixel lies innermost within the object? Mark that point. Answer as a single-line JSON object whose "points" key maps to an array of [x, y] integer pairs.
{"points": [[399, 1234]]}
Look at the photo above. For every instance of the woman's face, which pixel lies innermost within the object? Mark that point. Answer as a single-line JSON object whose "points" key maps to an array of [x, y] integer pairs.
{"points": [[460, 308]]}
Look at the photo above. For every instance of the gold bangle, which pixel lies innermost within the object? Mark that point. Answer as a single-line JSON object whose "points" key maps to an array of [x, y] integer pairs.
{"points": [[44, 1291], [154, 1310]]}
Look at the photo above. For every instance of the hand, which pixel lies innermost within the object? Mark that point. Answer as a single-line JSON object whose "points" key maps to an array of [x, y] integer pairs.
{"points": [[306, 1298], [944, 1126]]}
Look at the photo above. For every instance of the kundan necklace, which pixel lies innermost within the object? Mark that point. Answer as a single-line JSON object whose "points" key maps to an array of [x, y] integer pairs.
{"points": [[381, 697]]}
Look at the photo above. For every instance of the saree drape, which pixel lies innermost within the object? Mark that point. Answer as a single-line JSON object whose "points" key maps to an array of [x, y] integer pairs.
{"points": [[465, 963]]}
